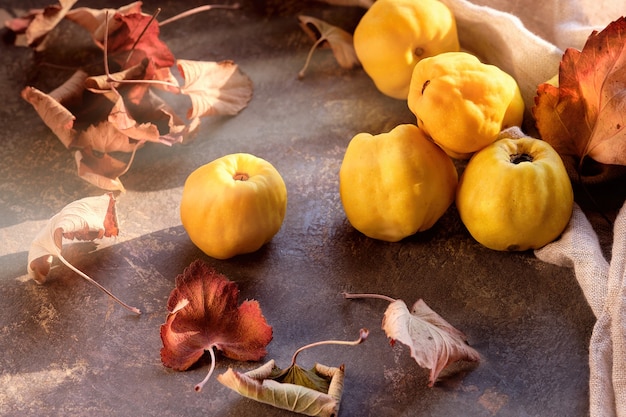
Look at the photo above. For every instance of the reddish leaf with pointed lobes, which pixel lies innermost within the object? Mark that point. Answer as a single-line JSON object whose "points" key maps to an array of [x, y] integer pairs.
{"points": [[203, 314], [586, 114]]}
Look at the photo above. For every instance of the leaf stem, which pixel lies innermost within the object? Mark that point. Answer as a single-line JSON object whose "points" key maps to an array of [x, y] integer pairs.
{"points": [[90, 280], [308, 58], [200, 385], [198, 10], [363, 333], [366, 295]]}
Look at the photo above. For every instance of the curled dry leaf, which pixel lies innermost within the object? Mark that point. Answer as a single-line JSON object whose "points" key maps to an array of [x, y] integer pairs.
{"points": [[36, 24], [434, 343], [89, 218], [313, 392], [338, 39], [258, 385], [586, 114], [204, 315]]}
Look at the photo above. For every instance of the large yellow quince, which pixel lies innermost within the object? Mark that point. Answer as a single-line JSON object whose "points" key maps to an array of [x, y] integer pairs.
{"points": [[462, 103], [233, 205], [515, 195], [395, 184], [393, 35]]}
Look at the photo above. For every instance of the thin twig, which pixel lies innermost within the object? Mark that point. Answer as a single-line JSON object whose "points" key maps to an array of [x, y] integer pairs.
{"points": [[91, 280], [378, 296], [198, 10]]}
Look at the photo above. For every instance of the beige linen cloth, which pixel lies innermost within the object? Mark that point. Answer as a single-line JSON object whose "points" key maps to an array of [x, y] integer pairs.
{"points": [[527, 38]]}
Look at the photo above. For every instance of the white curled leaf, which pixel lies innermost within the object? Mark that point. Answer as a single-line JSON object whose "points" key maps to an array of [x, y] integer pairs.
{"points": [[89, 218]]}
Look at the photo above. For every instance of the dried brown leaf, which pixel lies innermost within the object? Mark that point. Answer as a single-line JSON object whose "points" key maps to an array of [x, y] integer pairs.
{"points": [[215, 88], [338, 39], [434, 343]]}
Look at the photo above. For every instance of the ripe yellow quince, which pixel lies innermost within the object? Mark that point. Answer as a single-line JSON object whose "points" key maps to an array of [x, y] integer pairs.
{"points": [[395, 184], [515, 195], [462, 103], [393, 35], [233, 205]]}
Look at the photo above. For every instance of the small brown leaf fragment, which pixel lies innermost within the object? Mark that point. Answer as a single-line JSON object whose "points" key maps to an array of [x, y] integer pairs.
{"points": [[434, 343], [37, 23], [338, 39], [59, 119], [215, 88]]}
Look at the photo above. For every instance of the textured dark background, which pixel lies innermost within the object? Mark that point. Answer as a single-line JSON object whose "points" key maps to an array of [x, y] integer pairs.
{"points": [[67, 349]]}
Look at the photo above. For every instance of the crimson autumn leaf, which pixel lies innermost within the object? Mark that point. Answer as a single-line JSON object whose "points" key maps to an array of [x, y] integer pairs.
{"points": [[204, 315], [137, 38], [326, 34], [585, 116], [434, 343], [89, 218]]}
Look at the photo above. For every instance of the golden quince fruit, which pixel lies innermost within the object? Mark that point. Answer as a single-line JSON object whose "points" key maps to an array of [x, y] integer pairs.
{"points": [[393, 35], [233, 205], [515, 195], [462, 103], [395, 184]]}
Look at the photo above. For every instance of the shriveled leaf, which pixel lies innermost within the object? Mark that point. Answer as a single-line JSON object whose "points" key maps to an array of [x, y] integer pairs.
{"points": [[434, 343], [89, 218], [94, 19], [203, 315], [259, 385], [585, 116], [86, 219], [59, 119], [215, 88], [37, 23], [101, 170], [338, 39]]}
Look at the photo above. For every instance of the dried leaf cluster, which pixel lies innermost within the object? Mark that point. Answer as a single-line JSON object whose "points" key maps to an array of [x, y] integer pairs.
{"points": [[104, 118]]}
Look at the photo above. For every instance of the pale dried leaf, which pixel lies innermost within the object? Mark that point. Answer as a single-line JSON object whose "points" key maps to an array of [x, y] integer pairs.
{"points": [[102, 171], [256, 385], [94, 19], [434, 343], [215, 88], [44, 22], [85, 219], [59, 119]]}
